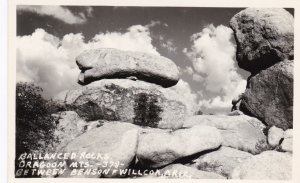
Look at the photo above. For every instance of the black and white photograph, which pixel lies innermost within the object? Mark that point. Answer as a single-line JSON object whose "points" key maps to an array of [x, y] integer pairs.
{"points": [[153, 92]]}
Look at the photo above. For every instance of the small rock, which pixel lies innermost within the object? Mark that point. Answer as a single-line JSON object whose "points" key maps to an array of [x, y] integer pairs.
{"points": [[287, 143], [288, 133], [274, 136], [240, 132], [157, 148], [271, 165], [112, 63], [222, 161], [235, 113]]}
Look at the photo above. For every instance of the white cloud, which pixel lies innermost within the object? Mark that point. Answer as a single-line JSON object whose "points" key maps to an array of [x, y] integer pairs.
{"points": [[137, 38], [169, 45], [153, 23], [212, 55], [197, 77], [41, 60], [58, 12], [50, 62], [188, 70]]}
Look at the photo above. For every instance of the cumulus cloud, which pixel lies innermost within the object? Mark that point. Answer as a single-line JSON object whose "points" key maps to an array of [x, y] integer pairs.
{"points": [[51, 64], [58, 12], [212, 55], [137, 38]]}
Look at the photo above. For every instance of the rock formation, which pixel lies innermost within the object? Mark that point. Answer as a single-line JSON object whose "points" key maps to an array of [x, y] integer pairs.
{"points": [[126, 112], [265, 47]]}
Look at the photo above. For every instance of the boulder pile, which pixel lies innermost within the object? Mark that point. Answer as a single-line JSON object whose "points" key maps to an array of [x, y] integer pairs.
{"points": [[265, 47], [123, 122]]}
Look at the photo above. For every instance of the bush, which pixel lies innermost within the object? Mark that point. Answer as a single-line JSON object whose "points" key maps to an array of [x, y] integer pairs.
{"points": [[34, 124]]}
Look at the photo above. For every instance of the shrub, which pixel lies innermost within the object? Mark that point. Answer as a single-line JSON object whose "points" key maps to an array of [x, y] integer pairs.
{"points": [[34, 124]]}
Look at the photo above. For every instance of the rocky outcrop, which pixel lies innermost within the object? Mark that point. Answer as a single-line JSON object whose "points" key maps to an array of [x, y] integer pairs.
{"points": [[269, 95], [157, 148], [124, 100], [222, 161], [113, 142], [275, 135], [112, 63], [180, 171], [241, 132], [270, 165], [264, 37]]}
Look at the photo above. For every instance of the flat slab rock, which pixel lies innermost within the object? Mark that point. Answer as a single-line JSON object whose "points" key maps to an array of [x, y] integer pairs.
{"points": [[115, 142], [137, 102], [112, 63], [264, 37], [270, 165], [269, 95], [221, 161], [157, 148], [240, 132]]}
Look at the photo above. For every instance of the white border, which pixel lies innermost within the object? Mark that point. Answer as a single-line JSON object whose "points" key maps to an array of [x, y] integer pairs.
{"points": [[168, 3]]}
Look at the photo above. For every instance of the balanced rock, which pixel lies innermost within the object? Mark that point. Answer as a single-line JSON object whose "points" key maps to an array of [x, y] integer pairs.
{"points": [[157, 148], [222, 161], [113, 142], [180, 171], [274, 136], [240, 132], [130, 101], [112, 63], [267, 165], [269, 95], [263, 36]]}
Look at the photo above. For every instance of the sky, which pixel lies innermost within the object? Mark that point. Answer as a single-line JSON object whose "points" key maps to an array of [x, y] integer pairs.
{"points": [[198, 40]]}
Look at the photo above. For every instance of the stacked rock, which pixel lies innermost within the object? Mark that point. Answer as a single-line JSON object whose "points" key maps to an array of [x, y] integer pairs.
{"points": [[265, 47], [127, 86], [124, 110]]}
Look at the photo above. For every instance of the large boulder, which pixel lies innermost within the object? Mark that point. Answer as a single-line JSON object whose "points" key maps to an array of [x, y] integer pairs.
{"points": [[129, 101], [112, 63], [241, 132], [269, 95], [185, 172], [264, 36], [157, 148], [107, 149], [222, 161], [267, 165]]}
